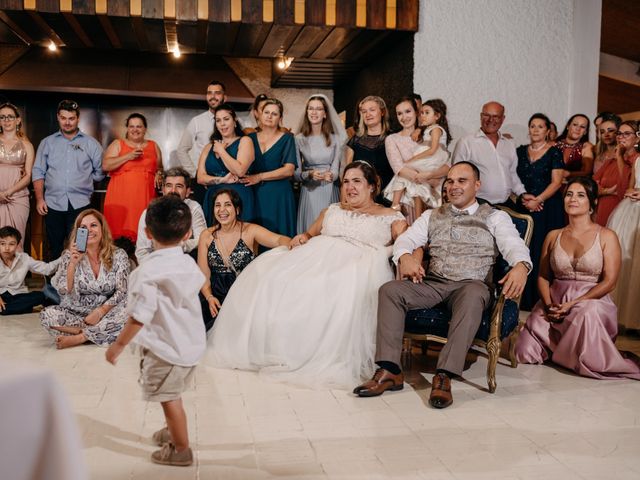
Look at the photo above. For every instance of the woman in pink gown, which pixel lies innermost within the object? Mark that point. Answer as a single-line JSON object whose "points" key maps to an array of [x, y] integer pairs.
{"points": [[575, 322], [16, 161]]}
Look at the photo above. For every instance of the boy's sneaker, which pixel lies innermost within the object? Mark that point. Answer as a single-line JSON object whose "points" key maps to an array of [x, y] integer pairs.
{"points": [[167, 455], [161, 437]]}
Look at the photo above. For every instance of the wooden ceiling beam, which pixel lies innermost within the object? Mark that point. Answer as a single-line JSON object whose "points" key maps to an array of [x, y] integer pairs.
{"points": [[45, 28], [139, 30], [111, 34], [16, 29], [78, 30]]}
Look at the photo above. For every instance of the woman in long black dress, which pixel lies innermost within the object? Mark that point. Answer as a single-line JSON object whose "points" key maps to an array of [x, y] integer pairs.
{"points": [[541, 169], [226, 248], [368, 142]]}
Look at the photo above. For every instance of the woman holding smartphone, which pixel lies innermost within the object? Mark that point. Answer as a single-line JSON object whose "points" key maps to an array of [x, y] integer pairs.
{"points": [[92, 283]]}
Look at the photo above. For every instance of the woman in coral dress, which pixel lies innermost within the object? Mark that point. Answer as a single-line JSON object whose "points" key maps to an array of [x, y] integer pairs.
{"points": [[575, 322], [134, 165], [613, 177], [16, 160]]}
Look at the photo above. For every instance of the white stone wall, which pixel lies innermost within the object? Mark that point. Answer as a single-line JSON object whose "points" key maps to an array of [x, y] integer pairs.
{"points": [[256, 75], [522, 53]]}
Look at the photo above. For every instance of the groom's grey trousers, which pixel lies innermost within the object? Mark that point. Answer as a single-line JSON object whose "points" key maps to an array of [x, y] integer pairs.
{"points": [[466, 300]]}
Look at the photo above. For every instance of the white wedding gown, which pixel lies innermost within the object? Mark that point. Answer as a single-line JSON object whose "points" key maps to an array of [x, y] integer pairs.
{"points": [[307, 316]]}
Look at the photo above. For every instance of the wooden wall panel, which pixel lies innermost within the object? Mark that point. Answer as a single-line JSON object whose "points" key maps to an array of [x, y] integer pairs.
{"points": [[376, 14], [118, 8], [153, 9], [186, 10], [49, 6], [407, 15], [315, 12], [284, 12], [252, 11], [616, 96], [346, 13], [83, 7], [220, 11]]}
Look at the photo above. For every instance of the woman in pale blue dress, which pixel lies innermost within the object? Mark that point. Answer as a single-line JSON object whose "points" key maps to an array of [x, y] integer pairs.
{"points": [[320, 144]]}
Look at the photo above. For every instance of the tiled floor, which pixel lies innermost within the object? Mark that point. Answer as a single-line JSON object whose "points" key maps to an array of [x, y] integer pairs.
{"points": [[542, 423]]}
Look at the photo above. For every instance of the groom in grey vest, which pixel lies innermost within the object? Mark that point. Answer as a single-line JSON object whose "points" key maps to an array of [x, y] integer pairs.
{"points": [[463, 239]]}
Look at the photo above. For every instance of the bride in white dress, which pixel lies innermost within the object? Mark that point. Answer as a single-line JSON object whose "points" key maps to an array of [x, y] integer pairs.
{"points": [[307, 315]]}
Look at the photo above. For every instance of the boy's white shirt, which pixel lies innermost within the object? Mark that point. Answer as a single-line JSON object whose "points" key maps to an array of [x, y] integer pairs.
{"points": [[163, 296], [12, 278]]}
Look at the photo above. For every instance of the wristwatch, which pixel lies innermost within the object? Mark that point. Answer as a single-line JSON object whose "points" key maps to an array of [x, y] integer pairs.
{"points": [[527, 265]]}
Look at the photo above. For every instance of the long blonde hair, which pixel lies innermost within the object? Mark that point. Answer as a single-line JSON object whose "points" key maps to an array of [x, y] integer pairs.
{"points": [[106, 248], [362, 128]]}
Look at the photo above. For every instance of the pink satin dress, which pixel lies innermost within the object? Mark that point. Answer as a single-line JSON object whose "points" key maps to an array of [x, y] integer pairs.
{"points": [[585, 340], [16, 212]]}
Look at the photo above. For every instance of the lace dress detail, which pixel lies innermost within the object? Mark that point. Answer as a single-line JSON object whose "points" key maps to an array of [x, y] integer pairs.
{"points": [[239, 258], [586, 268], [358, 228], [308, 315], [431, 195], [223, 274]]}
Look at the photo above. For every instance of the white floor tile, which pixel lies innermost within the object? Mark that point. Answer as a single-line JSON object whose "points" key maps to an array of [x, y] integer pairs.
{"points": [[542, 423]]}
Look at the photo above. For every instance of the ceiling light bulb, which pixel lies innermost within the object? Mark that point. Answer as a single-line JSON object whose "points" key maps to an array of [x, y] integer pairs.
{"points": [[176, 52], [281, 64], [52, 46]]}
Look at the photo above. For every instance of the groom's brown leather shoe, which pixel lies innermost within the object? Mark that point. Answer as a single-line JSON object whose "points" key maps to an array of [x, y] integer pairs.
{"points": [[440, 391], [382, 381]]}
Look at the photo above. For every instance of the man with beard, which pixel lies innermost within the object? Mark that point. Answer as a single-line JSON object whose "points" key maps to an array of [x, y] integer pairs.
{"points": [[463, 239], [175, 181], [198, 133], [67, 163]]}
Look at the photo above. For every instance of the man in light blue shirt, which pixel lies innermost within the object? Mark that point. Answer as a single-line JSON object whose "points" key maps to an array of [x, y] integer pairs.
{"points": [[67, 163]]}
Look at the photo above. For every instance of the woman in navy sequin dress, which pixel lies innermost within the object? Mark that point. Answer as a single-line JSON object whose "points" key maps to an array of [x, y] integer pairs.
{"points": [[226, 248], [541, 169]]}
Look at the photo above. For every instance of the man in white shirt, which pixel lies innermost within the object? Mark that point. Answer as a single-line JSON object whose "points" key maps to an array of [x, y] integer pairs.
{"points": [[462, 238], [196, 136], [175, 181], [495, 156]]}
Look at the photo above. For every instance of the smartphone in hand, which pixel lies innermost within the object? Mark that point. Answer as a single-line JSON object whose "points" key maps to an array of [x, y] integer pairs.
{"points": [[81, 239]]}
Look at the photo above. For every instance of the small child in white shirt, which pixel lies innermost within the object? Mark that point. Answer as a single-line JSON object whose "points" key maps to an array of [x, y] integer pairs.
{"points": [[15, 297], [165, 320]]}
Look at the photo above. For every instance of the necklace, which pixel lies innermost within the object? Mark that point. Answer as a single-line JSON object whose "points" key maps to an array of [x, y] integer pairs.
{"points": [[537, 149]]}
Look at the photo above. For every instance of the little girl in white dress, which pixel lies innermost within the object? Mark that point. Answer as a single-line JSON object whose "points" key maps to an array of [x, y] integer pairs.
{"points": [[428, 156]]}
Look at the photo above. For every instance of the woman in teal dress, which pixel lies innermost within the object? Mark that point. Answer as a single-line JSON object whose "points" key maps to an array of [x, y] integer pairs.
{"points": [[225, 161], [275, 164]]}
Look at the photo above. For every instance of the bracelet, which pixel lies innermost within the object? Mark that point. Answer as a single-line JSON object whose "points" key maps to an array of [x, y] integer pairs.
{"points": [[209, 297]]}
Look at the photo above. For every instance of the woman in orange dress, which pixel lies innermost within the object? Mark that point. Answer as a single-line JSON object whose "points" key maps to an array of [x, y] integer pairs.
{"points": [[135, 166], [613, 177]]}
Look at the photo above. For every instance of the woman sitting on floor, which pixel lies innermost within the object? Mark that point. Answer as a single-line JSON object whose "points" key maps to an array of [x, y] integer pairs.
{"points": [[92, 286], [575, 322]]}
